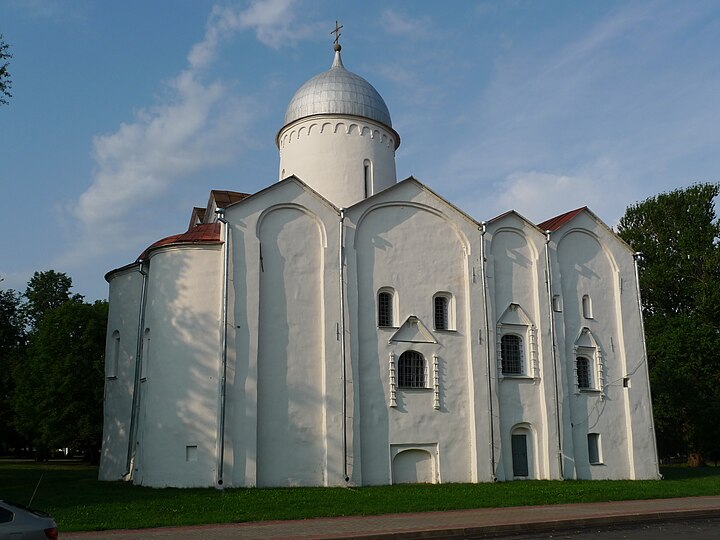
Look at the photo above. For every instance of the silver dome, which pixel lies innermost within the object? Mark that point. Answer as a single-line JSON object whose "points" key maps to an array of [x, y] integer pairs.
{"points": [[338, 91]]}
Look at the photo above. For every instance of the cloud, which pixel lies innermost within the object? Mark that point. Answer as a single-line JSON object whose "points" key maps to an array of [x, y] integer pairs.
{"points": [[274, 22], [540, 195], [199, 125], [48, 9], [606, 116], [194, 126], [398, 24]]}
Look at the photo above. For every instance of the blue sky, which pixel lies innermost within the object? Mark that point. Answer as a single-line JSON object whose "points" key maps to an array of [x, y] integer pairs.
{"points": [[125, 114]]}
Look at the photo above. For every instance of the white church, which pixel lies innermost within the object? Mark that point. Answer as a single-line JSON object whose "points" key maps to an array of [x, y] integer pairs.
{"points": [[342, 328]]}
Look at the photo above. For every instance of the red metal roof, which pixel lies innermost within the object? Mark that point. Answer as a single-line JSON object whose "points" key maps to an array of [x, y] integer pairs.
{"points": [[204, 233], [553, 224]]}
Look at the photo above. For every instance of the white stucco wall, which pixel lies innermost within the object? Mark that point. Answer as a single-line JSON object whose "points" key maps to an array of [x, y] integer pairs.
{"points": [[329, 152], [124, 306], [592, 261], [417, 245], [284, 411], [285, 383], [290, 351], [179, 388], [516, 276]]}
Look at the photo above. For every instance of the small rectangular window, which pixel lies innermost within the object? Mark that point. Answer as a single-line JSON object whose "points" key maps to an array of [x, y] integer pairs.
{"points": [[191, 452], [556, 303], [594, 448], [587, 307]]}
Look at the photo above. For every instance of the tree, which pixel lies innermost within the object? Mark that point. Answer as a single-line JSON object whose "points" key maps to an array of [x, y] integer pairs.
{"points": [[12, 342], [678, 234], [5, 82], [46, 291], [59, 392]]}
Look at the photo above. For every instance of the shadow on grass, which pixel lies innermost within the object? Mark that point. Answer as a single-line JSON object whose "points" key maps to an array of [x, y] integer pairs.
{"points": [[78, 501]]}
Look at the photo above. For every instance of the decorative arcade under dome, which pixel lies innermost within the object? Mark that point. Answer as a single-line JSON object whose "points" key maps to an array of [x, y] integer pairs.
{"points": [[338, 137]]}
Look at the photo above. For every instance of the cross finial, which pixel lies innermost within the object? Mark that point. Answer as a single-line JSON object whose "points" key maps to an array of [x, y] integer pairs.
{"points": [[336, 43]]}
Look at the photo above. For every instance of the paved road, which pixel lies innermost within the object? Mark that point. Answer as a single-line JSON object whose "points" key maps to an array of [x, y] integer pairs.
{"points": [[697, 529], [541, 521]]}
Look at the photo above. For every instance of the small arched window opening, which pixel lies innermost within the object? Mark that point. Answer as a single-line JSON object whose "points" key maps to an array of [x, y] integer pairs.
{"points": [[145, 355], [584, 373], [511, 354], [385, 301], [587, 307], [411, 370], [112, 365], [594, 453], [441, 311], [368, 177]]}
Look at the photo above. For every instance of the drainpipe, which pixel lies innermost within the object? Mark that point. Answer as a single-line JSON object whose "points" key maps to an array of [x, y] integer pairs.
{"points": [[341, 255], [132, 433], [548, 282], [220, 450], [636, 258], [483, 278]]}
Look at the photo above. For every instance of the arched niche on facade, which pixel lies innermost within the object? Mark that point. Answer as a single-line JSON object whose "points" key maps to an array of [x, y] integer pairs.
{"points": [[413, 466]]}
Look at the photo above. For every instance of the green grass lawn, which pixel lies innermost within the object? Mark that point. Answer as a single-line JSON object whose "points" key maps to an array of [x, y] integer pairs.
{"points": [[71, 493]]}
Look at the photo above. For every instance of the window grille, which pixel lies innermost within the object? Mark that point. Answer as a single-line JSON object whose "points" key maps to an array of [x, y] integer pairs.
{"points": [[584, 379], [511, 354], [411, 370], [385, 309], [441, 312]]}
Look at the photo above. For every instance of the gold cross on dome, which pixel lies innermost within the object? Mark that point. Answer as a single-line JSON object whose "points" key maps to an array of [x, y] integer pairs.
{"points": [[337, 32]]}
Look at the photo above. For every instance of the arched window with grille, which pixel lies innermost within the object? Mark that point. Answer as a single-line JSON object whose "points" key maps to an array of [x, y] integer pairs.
{"points": [[511, 352], [385, 301], [584, 374], [411, 370], [516, 344]]}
